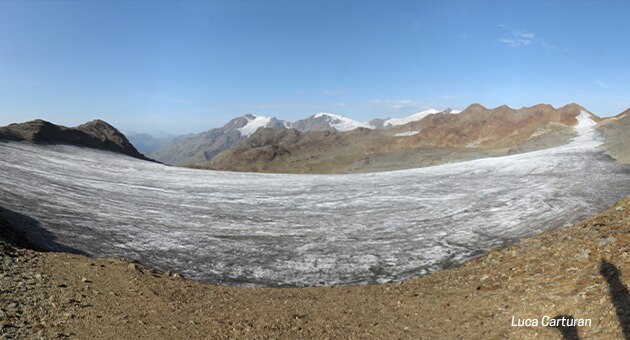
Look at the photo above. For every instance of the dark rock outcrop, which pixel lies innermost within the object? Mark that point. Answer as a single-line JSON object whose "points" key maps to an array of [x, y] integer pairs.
{"points": [[95, 134]]}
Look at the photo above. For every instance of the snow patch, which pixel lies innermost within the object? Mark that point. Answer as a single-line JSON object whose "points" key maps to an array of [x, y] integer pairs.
{"points": [[406, 133], [474, 144], [254, 124], [414, 117], [584, 122], [341, 123]]}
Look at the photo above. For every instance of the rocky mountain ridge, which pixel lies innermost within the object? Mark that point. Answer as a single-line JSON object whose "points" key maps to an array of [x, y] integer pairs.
{"points": [[436, 138], [330, 143], [203, 147], [617, 133], [95, 134], [195, 148]]}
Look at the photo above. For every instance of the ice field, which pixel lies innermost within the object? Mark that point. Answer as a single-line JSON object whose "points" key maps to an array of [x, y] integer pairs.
{"points": [[299, 230]]}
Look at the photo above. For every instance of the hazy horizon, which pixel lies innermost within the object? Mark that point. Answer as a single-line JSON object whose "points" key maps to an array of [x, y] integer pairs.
{"points": [[185, 67]]}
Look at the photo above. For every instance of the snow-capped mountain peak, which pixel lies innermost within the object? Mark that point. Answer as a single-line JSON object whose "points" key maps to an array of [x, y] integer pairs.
{"points": [[256, 122], [584, 121], [391, 122], [341, 123], [324, 121], [414, 117], [253, 124]]}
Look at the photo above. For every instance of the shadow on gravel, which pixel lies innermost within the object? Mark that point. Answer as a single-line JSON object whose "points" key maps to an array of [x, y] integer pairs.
{"points": [[619, 295], [568, 332], [26, 232]]}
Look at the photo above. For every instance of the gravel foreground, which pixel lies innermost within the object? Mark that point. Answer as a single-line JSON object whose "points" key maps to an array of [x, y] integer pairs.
{"points": [[581, 271]]}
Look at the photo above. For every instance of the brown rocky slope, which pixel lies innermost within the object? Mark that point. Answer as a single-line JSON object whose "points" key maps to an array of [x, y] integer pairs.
{"points": [[201, 147], [617, 132], [436, 139], [95, 134], [581, 271]]}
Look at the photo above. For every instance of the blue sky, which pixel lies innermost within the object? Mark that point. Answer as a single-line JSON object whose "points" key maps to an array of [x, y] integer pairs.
{"points": [[188, 66]]}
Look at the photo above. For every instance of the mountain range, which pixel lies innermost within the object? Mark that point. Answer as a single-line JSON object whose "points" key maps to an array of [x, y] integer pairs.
{"points": [[331, 143], [436, 138], [202, 147]]}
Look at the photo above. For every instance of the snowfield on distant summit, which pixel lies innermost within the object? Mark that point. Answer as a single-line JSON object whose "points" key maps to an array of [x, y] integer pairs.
{"points": [[300, 230]]}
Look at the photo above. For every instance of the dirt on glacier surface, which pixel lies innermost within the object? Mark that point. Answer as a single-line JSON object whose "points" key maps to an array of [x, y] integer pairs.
{"points": [[302, 230]]}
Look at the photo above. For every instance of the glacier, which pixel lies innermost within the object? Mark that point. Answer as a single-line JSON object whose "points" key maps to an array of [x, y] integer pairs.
{"points": [[342, 123], [414, 117], [252, 229], [254, 124]]}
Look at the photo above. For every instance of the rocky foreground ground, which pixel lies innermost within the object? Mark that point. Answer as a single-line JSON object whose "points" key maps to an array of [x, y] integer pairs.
{"points": [[581, 271]]}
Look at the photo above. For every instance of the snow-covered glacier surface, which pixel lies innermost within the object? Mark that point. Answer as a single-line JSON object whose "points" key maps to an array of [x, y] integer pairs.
{"points": [[270, 229]]}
